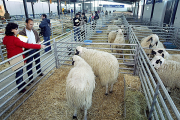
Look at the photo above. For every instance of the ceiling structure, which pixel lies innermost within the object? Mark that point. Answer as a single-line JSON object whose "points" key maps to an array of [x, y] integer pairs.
{"points": [[80, 1]]}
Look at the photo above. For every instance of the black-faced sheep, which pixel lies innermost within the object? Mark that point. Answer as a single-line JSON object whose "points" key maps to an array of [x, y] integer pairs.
{"points": [[168, 71], [152, 41]]}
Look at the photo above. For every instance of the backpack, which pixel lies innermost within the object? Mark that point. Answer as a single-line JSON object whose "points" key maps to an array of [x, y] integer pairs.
{"points": [[96, 17]]}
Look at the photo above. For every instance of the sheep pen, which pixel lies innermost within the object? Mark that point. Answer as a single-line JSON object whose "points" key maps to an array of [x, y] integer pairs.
{"points": [[49, 101]]}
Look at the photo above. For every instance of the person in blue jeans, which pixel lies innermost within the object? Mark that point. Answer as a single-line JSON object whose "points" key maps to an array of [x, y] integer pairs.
{"points": [[76, 28], [45, 25]]}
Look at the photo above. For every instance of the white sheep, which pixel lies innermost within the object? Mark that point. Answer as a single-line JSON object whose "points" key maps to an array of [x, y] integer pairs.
{"points": [[104, 65], [117, 22], [151, 41], [168, 71], [80, 84], [113, 27], [162, 52], [119, 40], [112, 36], [123, 29]]}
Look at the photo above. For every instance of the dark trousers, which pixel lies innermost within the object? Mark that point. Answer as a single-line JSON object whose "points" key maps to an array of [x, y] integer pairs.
{"points": [[20, 80], [83, 34], [94, 24], [48, 43], [36, 62], [76, 33]]}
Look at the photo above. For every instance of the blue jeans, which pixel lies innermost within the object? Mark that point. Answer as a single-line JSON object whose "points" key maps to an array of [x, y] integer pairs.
{"points": [[48, 43], [76, 33], [36, 62], [18, 81]]}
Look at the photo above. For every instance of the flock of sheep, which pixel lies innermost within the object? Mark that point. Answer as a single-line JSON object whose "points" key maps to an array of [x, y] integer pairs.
{"points": [[91, 63], [80, 82], [166, 65]]}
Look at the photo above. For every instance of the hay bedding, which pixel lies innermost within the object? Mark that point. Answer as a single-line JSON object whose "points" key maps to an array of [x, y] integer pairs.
{"points": [[49, 101]]}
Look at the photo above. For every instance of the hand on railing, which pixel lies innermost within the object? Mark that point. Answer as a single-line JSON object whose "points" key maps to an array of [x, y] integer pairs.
{"points": [[43, 46]]}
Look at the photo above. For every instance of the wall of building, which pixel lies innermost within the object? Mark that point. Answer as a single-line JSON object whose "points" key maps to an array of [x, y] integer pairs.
{"points": [[177, 18]]}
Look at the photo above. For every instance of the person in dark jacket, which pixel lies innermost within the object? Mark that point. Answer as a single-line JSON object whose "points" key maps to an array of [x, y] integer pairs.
{"points": [[106, 13], [96, 17], [76, 28], [83, 22], [45, 24]]}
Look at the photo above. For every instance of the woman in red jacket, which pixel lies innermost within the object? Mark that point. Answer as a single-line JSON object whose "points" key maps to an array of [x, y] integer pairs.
{"points": [[14, 46]]}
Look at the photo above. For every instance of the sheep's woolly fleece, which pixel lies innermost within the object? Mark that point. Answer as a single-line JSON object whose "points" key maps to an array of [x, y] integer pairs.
{"points": [[80, 84]]}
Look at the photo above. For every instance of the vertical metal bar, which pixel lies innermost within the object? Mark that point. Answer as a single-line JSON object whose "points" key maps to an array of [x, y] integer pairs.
{"points": [[62, 26], [143, 8], [58, 8], [66, 8], [124, 98], [138, 10], [49, 8], [32, 5], [94, 5], [74, 8], [51, 30], [83, 6], [135, 60], [55, 52], [134, 9], [90, 6], [72, 38], [85, 27], [153, 4], [174, 12], [4, 3], [2, 57], [25, 8], [154, 101]]}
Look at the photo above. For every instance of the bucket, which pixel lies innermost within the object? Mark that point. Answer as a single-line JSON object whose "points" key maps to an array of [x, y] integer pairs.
{"points": [[67, 30], [169, 45], [98, 31], [88, 41]]}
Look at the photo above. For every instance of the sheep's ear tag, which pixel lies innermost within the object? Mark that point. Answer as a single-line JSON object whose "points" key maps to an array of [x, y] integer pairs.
{"points": [[163, 55], [157, 61]]}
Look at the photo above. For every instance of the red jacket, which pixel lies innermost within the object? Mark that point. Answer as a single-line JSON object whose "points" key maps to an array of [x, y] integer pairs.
{"points": [[14, 46]]}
